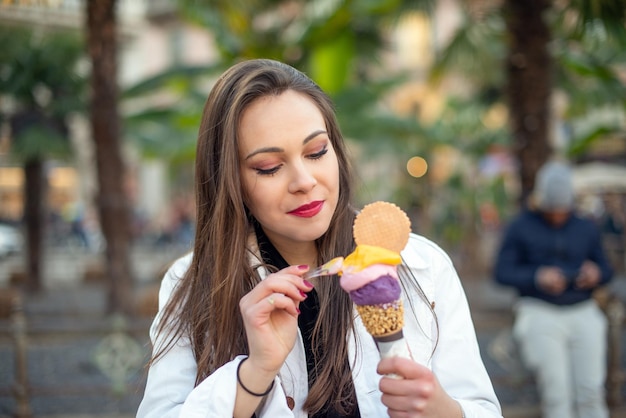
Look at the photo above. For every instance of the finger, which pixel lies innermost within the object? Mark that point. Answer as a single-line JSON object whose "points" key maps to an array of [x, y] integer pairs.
{"points": [[404, 367], [259, 311], [422, 388], [277, 301], [556, 288], [393, 364], [585, 283], [297, 270], [284, 288], [395, 413], [404, 403], [283, 282], [293, 274], [560, 283]]}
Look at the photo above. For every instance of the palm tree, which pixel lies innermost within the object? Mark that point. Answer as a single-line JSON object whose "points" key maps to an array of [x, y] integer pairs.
{"points": [[529, 86], [112, 202], [542, 47], [39, 77], [530, 69]]}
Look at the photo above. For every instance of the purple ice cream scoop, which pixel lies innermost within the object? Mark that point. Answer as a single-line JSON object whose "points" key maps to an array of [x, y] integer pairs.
{"points": [[385, 289]]}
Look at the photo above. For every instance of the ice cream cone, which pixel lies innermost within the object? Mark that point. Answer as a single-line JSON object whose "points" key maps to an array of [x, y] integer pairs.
{"points": [[381, 231], [382, 320]]}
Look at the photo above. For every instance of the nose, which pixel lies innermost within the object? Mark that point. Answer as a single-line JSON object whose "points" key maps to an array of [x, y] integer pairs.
{"points": [[302, 180]]}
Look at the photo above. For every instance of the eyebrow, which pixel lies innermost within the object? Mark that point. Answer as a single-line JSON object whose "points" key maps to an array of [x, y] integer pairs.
{"points": [[278, 149]]}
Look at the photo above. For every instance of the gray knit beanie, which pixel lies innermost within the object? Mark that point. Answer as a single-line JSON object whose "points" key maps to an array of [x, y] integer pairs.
{"points": [[553, 187]]}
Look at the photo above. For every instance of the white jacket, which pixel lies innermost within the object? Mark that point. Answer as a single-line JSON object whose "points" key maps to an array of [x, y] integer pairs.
{"points": [[456, 360]]}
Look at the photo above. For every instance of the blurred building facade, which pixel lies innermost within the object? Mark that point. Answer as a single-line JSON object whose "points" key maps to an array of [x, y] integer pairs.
{"points": [[151, 39]]}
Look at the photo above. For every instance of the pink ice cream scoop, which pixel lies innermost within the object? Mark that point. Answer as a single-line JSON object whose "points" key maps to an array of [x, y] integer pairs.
{"points": [[352, 280]]}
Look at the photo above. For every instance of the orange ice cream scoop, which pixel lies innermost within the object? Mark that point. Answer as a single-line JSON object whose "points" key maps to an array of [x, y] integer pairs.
{"points": [[366, 255]]}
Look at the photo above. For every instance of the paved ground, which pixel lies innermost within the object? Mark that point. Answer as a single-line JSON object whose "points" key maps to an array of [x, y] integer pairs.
{"points": [[74, 349]]}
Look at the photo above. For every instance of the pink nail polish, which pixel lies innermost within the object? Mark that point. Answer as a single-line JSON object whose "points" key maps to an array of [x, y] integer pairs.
{"points": [[303, 267], [302, 294], [298, 310], [308, 284]]}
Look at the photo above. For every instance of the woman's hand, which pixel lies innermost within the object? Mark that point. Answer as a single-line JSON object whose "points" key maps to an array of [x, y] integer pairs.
{"points": [[416, 394], [270, 316]]}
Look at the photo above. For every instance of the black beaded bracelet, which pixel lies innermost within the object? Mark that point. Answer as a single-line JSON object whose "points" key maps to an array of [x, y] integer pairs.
{"points": [[248, 390]]}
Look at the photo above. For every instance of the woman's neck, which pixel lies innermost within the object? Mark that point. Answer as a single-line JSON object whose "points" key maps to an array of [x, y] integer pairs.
{"points": [[299, 253], [293, 252]]}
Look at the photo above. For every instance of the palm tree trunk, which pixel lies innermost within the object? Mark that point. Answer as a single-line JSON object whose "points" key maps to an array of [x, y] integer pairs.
{"points": [[113, 205], [35, 188], [529, 85]]}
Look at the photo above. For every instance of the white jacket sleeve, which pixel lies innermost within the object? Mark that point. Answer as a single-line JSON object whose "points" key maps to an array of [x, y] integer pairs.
{"points": [[172, 377], [457, 361], [170, 390], [214, 397]]}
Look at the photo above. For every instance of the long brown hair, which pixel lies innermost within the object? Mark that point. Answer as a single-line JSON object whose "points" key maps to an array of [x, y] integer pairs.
{"points": [[205, 305]]}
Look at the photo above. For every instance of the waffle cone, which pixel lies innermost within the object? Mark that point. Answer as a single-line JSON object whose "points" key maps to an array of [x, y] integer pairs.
{"points": [[382, 224], [382, 320]]}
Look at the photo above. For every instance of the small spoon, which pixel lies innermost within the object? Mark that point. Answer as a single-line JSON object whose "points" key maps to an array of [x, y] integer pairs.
{"points": [[329, 268]]}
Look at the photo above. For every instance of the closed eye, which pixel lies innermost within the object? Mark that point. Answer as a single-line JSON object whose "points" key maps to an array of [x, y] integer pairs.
{"points": [[268, 171], [320, 154], [274, 170]]}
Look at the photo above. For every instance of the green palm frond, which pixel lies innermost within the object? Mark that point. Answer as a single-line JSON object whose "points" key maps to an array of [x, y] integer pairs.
{"points": [[363, 119], [593, 18], [39, 72], [582, 143], [476, 50], [589, 83], [179, 78], [38, 142]]}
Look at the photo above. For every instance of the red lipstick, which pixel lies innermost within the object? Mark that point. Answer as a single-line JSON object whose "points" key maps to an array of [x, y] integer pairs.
{"points": [[309, 210]]}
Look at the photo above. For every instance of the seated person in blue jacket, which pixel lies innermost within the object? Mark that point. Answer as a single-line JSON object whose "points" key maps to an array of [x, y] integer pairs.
{"points": [[555, 260]]}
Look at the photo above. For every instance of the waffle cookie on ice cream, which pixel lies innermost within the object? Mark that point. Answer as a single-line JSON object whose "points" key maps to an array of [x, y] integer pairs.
{"points": [[369, 274]]}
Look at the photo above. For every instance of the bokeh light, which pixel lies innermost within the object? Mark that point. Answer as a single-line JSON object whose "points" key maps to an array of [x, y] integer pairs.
{"points": [[417, 166]]}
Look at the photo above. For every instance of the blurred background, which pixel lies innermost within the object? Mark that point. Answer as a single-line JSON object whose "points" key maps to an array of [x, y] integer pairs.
{"points": [[449, 108]]}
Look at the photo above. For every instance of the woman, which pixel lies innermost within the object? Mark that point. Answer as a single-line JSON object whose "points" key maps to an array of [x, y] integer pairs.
{"points": [[241, 333]]}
